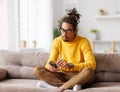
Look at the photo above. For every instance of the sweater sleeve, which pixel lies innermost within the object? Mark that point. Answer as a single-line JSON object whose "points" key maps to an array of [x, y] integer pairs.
{"points": [[54, 53], [89, 59]]}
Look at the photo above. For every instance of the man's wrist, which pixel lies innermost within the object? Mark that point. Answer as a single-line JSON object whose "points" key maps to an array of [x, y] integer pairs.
{"points": [[71, 66]]}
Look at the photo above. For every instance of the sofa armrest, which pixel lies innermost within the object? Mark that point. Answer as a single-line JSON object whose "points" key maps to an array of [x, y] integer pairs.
{"points": [[3, 73]]}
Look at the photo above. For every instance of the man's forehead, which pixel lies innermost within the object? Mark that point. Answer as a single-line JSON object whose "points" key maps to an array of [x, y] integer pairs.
{"points": [[66, 25]]}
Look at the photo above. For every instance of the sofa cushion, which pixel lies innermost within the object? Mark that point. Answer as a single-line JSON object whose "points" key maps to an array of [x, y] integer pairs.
{"points": [[107, 62], [21, 64], [107, 67], [106, 84], [3, 74], [102, 89], [33, 59], [22, 85], [107, 76]]}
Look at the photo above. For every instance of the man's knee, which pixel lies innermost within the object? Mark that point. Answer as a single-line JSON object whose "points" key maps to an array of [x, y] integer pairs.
{"points": [[37, 70], [89, 72], [90, 75]]}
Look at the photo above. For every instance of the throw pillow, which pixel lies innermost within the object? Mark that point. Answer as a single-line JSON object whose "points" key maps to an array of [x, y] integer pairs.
{"points": [[3, 74]]}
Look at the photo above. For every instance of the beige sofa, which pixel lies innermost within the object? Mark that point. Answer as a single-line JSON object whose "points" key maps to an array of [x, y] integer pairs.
{"points": [[16, 72]]}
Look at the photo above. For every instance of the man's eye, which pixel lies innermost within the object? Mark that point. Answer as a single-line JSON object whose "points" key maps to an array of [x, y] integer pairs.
{"points": [[69, 30]]}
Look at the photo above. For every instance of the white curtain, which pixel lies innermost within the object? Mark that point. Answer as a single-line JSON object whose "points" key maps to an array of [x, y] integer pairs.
{"points": [[36, 23], [39, 24], [3, 25], [9, 38], [45, 24]]}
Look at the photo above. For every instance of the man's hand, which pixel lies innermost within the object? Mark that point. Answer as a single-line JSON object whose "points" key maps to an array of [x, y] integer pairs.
{"points": [[53, 64], [62, 63], [53, 67]]}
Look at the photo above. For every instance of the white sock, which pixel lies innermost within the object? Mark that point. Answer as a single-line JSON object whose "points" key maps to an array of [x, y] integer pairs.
{"points": [[44, 84], [77, 88]]}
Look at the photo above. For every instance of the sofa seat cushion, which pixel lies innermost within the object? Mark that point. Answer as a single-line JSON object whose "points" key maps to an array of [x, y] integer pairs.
{"points": [[102, 89], [3, 74], [22, 85], [106, 84]]}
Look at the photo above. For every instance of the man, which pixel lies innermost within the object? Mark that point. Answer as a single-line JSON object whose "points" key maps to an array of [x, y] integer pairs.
{"points": [[76, 63]]}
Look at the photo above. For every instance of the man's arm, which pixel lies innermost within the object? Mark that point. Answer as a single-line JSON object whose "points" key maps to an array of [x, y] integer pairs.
{"points": [[89, 59], [53, 56]]}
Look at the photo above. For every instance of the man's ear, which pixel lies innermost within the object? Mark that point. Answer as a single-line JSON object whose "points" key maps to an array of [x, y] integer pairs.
{"points": [[75, 31]]}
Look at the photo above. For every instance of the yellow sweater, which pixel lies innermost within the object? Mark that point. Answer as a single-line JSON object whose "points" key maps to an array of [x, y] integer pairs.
{"points": [[77, 52]]}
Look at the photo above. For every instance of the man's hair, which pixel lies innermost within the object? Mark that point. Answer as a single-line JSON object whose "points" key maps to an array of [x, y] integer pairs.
{"points": [[72, 17]]}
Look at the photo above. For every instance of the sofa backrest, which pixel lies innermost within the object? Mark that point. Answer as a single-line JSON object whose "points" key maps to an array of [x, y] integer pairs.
{"points": [[108, 67], [21, 64]]}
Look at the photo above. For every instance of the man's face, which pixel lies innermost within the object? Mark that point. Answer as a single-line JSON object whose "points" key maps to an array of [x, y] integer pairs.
{"points": [[68, 34]]}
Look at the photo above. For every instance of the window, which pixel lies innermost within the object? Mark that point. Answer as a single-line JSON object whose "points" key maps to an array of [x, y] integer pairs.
{"points": [[27, 21], [36, 23]]}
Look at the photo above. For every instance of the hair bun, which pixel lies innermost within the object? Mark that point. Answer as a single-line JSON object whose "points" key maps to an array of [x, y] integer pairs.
{"points": [[74, 13]]}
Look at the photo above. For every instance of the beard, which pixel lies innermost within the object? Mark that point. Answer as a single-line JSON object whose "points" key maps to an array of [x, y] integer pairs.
{"points": [[65, 39]]}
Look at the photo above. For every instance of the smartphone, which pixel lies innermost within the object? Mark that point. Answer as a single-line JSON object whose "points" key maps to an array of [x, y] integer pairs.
{"points": [[53, 64]]}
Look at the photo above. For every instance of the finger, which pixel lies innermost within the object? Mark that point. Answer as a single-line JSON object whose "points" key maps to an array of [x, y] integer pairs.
{"points": [[62, 63], [58, 62], [65, 64], [52, 69]]}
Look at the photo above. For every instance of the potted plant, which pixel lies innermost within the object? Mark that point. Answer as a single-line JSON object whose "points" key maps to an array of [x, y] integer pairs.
{"points": [[94, 33], [101, 11], [23, 44], [93, 30], [34, 43], [56, 33]]}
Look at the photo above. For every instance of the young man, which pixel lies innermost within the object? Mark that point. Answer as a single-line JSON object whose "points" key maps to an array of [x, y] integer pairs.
{"points": [[76, 63]]}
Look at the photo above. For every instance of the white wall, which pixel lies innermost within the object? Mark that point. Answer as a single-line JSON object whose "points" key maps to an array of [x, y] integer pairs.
{"points": [[90, 9], [57, 11], [109, 29]]}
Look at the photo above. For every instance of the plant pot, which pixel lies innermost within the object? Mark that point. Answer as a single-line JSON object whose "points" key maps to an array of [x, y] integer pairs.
{"points": [[94, 36], [23, 44], [34, 43], [101, 12]]}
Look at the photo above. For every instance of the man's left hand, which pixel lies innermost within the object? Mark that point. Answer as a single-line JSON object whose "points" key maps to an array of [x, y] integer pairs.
{"points": [[62, 63]]}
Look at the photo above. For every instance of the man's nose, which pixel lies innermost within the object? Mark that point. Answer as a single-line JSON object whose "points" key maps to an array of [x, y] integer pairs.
{"points": [[64, 33]]}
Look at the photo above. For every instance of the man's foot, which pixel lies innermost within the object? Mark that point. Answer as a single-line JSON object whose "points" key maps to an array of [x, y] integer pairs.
{"points": [[44, 84], [77, 88]]}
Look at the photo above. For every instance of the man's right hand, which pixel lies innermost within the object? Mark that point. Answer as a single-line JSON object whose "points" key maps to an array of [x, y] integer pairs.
{"points": [[53, 69]]}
